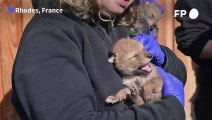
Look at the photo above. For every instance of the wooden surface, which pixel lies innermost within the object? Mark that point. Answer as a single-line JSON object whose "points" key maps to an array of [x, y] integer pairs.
{"points": [[11, 28]]}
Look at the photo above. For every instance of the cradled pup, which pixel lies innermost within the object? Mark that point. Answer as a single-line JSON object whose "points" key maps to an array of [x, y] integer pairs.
{"points": [[151, 13], [145, 13], [140, 77]]}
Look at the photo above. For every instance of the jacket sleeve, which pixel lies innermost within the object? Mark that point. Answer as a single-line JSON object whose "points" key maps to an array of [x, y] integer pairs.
{"points": [[174, 65], [52, 83], [193, 34]]}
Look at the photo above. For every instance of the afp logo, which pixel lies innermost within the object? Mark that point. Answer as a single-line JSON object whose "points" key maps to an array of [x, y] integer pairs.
{"points": [[193, 14]]}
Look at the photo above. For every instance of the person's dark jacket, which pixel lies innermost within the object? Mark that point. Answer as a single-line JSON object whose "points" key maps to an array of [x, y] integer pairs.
{"points": [[61, 73], [193, 34]]}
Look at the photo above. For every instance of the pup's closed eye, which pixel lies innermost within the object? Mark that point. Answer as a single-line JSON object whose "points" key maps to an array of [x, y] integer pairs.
{"points": [[134, 57]]}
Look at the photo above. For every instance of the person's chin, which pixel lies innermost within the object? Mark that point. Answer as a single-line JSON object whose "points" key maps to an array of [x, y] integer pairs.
{"points": [[116, 13]]}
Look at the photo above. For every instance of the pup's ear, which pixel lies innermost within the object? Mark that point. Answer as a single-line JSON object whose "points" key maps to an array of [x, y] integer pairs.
{"points": [[111, 59]]}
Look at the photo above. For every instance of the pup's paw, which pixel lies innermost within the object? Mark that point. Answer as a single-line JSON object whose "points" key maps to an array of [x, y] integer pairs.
{"points": [[134, 92], [152, 97], [147, 96], [112, 99]]}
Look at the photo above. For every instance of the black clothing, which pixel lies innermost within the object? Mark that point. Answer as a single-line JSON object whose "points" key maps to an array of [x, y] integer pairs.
{"points": [[193, 34], [191, 37], [61, 73]]}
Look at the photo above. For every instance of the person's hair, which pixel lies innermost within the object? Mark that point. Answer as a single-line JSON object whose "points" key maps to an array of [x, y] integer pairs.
{"points": [[83, 10]]}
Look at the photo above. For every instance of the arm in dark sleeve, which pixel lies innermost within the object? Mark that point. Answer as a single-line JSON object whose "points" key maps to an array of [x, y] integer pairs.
{"points": [[192, 35], [52, 83], [174, 65]]}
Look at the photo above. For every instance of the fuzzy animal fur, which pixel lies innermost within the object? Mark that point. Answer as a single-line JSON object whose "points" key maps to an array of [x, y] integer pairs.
{"points": [[148, 12], [151, 13], [143, 83]]}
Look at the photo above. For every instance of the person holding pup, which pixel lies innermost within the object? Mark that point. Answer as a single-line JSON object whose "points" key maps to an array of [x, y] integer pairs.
{"points": [[61, 70]]}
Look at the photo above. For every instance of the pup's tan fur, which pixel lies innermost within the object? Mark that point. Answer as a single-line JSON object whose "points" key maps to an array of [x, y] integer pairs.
{"points": [[129, 58], [151, 14]]}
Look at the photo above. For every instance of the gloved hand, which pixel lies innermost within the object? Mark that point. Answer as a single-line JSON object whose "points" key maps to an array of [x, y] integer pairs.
{"points": [[172, 86], [153, 1], [150, 44]]}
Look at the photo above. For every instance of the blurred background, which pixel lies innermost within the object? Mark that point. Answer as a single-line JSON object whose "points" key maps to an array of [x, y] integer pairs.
{"points": [[13, 24]]}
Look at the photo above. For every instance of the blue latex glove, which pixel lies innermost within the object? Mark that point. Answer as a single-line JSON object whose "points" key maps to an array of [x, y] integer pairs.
{"points": [[153, 1], [172, 86], [150, 44]]}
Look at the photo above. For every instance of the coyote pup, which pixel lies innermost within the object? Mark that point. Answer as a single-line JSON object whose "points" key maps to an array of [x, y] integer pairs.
{"points": [[140, 77]]}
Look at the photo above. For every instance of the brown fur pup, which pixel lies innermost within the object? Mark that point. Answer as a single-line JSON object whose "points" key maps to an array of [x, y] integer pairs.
{"points": [[148, 12], [151, 13], [143, 83]]}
